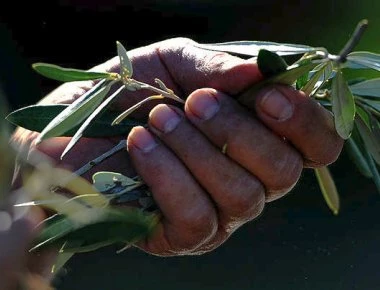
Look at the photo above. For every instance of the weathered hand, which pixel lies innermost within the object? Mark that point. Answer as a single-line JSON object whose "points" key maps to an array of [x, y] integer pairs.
{"points": [[17, 231], [212, 167]]}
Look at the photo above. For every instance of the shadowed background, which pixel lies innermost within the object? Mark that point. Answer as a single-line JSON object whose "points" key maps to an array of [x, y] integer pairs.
{"points": [[297, 243]]}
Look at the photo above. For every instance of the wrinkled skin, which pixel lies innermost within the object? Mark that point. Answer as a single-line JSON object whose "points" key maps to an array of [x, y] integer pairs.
{"points": [[16, 264], [204, 194]]}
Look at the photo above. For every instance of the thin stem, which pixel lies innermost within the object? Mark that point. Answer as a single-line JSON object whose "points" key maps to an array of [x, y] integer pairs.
{"points": [[159, 91], [120, 146], [353, 41], [123, 115]]}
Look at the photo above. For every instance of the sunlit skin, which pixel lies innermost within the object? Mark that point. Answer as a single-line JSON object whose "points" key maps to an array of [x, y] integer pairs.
{"points": [[215, 165]]}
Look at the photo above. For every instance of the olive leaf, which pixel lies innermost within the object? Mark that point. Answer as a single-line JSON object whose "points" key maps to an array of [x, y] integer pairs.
{"points": [[363, 59], [302, 81], [374, 170], [287, 77], [343, 105], [62, 259], [37, 117], [104, 181], [252, 48], [95, 112], [328, 188], [356, 153], [369, 88], [374, 104], [136, 106], [318, 77], [126, 69], [371, 142], [59, 73], [293, 72], [78, 111], [364, 115], [270, 63], [102, 228]]}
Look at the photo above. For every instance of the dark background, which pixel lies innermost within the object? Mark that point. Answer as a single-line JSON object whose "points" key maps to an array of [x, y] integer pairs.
{"points": [[297, 243]]}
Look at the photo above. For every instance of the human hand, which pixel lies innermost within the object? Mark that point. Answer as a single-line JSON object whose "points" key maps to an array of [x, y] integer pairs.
{"points": [[205, 194], [18, 227]]}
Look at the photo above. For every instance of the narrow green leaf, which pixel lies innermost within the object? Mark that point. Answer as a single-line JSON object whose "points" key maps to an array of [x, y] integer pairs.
{"points": [[356, 154], [293, 72], [375, 128], [59, 73], [63, 257], [104, 181], [112, 226], [98, 110], [270, 63], [37, 117], [343, 106], [61, 261], [375, 104], [371, 143], [374, 170], [288, 77], [356, 80], [119, 225], [363, 59], [318, 78], [328, 188], [126, 69], [302, 81], [75, 113], [54, 228], [369, 88], [130, 110], [252, 48], [364, 115]]}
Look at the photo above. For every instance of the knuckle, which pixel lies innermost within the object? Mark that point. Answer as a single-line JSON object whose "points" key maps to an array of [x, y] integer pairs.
{"points": [[197, 228], [247, 199], [327, 154], [288, 171]]}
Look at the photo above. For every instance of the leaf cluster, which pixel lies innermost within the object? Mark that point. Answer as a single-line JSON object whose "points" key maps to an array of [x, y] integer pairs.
{"points": [[355, 105]]}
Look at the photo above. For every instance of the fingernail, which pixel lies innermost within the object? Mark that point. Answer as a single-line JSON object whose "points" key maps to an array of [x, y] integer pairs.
{"points": [[164, 118], [142, 139], [204, 106], [276, 105]]}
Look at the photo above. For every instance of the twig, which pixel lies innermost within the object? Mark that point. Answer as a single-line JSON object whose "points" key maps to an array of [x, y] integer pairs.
{"points": [[159, 91], [353, 41], [120, 146]]}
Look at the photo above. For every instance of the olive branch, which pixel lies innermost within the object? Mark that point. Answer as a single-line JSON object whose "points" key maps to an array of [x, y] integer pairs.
{"points": [[355, 104]]}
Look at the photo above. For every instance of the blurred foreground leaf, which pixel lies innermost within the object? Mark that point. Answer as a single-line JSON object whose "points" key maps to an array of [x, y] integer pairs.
{"points": [[100, 228]]}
